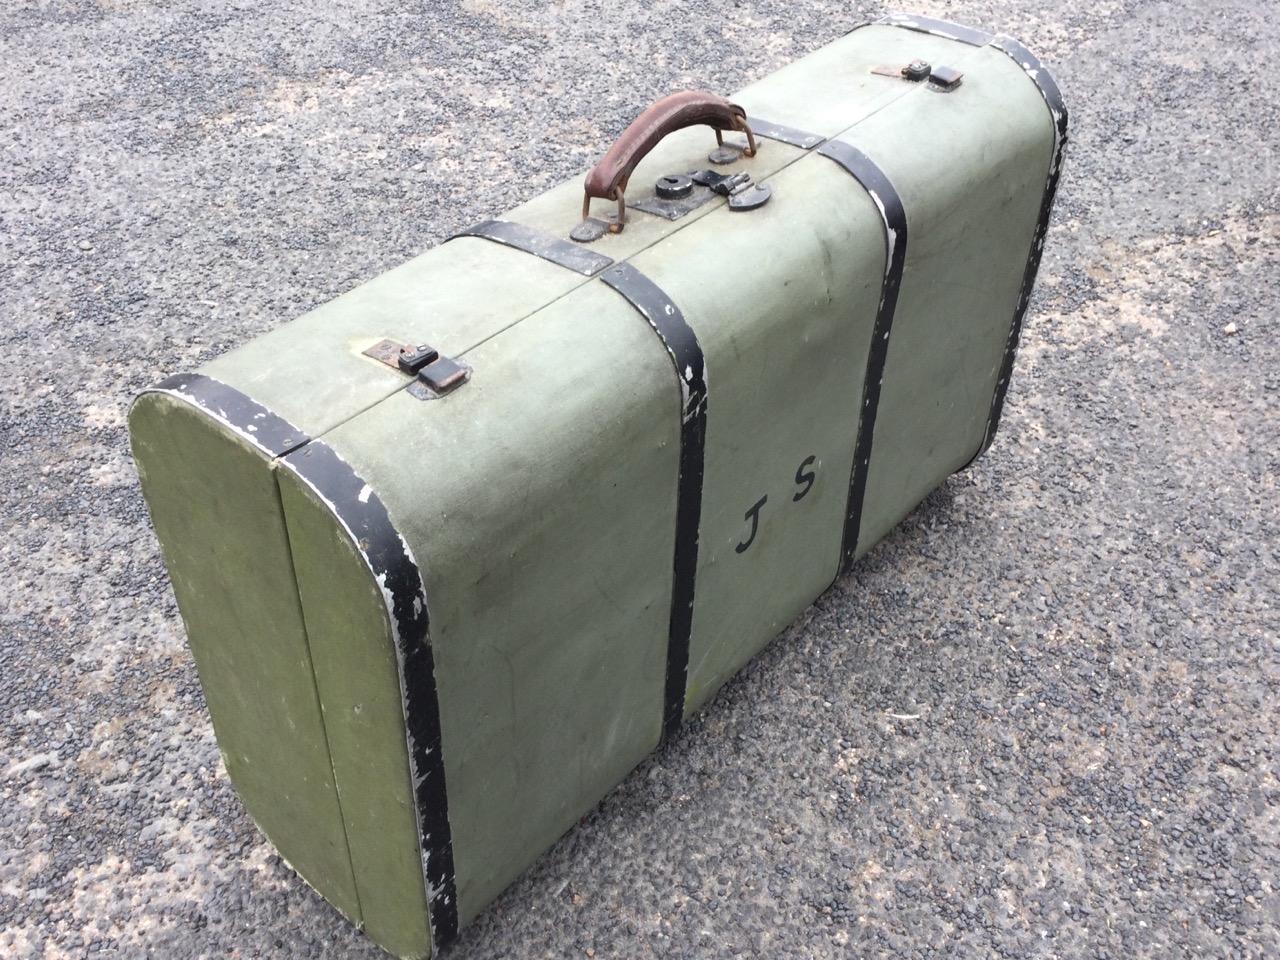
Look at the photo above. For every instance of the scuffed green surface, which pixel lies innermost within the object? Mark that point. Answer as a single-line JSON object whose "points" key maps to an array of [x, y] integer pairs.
{"points": [[539, 500], [833, 88], [783, 303], [970, 167], [354, 656], [311, 371], [216, 510]]}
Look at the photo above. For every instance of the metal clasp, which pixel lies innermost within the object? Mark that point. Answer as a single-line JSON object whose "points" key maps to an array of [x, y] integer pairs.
{"points": [[742, 193], [435, 375], [942, 79]]}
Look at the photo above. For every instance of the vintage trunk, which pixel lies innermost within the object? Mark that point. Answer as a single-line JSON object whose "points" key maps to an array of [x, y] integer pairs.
{"points": [[435, 626]]}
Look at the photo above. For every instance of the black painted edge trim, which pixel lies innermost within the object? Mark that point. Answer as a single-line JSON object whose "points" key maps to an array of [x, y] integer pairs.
{"points": [[270, 433], [367, 523], [686, 354], [563, 253], [894, 217], [1058, 113], [937, 28], [784, 134]]}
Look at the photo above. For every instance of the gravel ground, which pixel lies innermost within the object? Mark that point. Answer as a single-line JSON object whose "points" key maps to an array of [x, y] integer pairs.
{"points": [[1037, 721]]}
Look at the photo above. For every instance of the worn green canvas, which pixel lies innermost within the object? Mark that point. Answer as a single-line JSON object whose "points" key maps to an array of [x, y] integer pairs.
{"points": [[434, 627]]}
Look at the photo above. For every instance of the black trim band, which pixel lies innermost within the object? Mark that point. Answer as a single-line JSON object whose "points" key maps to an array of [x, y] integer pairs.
{"points": [[894, 217], [563, 253], [937, 28], [365, 519], [784, 134], [681, 342], [272, 434], [1058, 112]]}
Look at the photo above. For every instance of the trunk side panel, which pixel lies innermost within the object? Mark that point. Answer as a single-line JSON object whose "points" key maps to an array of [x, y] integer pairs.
{"points": [[970, 167], [354, 655], [217, 513], [785, 361], [539, 500]]}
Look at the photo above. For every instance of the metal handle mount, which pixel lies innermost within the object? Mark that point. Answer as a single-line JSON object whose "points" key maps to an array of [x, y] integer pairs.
{"points": [[608, 179]]}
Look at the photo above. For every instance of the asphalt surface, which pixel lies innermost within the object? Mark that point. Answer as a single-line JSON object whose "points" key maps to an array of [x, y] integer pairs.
{"points": [[1039, 720]]}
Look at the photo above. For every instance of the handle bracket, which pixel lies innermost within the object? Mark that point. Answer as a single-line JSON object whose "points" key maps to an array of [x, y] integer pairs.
{"points": [[608, 179]]}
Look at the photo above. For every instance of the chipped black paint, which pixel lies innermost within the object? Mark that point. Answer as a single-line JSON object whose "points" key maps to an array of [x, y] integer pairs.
{"points": [[1058, 113], [686, 353], [783, 134], [271, 434], [563, 253], [894, 218], [367, 523]]}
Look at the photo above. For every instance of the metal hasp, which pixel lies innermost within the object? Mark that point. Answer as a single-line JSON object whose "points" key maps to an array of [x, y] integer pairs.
{"points": [[721, 183], [443, 375], [673, 196], [944, 79], [742, 193], [436, 375], [678, 194]]}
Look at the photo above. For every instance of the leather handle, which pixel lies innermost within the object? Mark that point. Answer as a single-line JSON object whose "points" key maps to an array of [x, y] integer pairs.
{"points": [[608, 179]]}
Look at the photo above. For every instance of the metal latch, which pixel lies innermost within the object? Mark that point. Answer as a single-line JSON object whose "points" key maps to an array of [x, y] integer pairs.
{"points": [[435, 375], [742, 193], [942, 79], [413, 359], [916, 70], [678, 194]]}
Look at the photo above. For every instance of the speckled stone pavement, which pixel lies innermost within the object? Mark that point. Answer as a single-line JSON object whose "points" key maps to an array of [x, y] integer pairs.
{"points": [[1039, 720]]}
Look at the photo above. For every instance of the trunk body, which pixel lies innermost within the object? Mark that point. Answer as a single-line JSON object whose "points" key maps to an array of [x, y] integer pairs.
{"points": [[433, 633]]}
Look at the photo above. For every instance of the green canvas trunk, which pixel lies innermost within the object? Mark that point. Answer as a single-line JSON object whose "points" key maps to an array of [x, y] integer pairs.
{"points": [[439, 611]]}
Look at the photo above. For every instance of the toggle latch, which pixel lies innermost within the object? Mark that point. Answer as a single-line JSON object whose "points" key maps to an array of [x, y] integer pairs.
{"points": [[742, 193], [435, 375], [942, 79]]}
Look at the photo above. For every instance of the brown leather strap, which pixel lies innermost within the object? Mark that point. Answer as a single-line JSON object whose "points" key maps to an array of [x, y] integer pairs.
{"points": [[608, 180]]}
